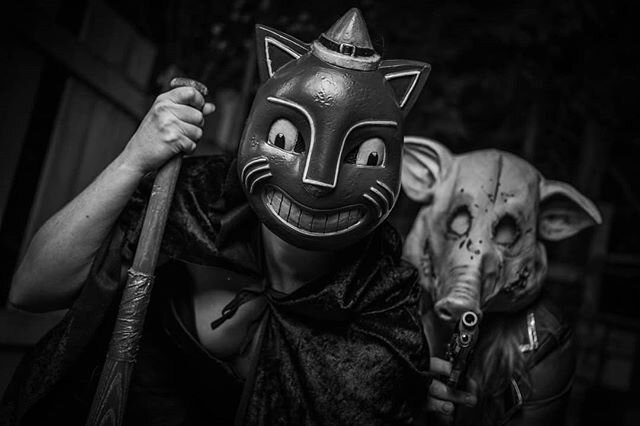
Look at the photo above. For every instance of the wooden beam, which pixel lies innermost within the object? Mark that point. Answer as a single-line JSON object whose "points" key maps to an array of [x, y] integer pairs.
{"points": [[62, 46]]}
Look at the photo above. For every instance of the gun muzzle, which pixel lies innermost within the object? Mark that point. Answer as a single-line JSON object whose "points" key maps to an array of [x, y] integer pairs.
{"points": [[460, 349], [468, 323], [469, 319]]}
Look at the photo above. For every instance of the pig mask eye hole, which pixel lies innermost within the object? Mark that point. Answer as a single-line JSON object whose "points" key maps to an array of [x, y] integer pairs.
{"points": [[506, 232], [460, 222], [285, 135]]}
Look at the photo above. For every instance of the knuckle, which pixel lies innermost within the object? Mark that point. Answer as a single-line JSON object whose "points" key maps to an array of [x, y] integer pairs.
{"points": [[197, 97], [446, 408], [189, 94], [166, 122], [438, 388], [171, 135], [160, 108], [164, 125], [187, 145], [157, 108]]}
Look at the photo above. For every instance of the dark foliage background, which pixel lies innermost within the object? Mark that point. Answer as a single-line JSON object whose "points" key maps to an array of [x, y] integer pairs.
{"points": [[538, 78]]}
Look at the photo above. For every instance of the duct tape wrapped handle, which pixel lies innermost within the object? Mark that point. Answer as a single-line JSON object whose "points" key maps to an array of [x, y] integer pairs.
{"points": [[110, 399]]}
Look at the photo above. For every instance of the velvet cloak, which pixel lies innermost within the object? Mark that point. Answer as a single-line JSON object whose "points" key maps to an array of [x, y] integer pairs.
{"points": [[347, 348]]}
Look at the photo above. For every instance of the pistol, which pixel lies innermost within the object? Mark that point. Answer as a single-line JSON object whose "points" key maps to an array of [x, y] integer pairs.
{"points": [[461, 345]]}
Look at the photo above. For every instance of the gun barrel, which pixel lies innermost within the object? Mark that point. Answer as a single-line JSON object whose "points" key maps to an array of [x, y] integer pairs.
{"points": [[469, 319], [461, 346]]}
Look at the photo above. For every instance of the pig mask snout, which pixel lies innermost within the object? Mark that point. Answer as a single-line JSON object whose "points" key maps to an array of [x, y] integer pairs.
{"points": [[464, 287], [451, 307]]}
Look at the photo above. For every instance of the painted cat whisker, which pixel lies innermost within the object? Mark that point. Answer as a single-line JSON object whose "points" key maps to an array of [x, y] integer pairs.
{"points": [[386, 188], [253, 172], [382, 196], [250, 164], [258, 179], [375, 203]]}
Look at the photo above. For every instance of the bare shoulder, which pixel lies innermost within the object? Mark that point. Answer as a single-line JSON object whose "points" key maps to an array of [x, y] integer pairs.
{"points": [[214, 290]]}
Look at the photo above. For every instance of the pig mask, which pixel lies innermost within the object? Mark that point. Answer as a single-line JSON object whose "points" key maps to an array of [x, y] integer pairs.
{"points": [[475, 241], [319, 159]]}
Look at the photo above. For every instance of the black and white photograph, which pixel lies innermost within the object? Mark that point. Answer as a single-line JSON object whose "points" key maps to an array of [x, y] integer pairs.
{"points": [[268, 212]]}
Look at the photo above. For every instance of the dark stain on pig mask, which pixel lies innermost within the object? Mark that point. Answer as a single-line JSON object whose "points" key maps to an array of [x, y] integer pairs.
{"points": [[520, 283]]}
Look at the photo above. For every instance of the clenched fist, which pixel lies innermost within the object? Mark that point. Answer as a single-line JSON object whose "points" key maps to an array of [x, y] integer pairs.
{"points": [[172, 125]]}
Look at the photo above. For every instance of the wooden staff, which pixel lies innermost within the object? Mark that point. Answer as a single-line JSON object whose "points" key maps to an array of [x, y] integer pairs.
{"points": [[110, 399]]}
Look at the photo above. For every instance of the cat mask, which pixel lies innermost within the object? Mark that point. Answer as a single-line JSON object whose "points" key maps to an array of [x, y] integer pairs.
{"points": [[320, 155]]}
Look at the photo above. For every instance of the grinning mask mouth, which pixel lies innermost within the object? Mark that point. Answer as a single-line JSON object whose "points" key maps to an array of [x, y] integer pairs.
{"points": [[310, 221], [320, 155]]}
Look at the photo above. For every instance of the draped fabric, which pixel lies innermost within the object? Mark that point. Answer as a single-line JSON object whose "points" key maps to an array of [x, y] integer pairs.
{"points": [[346, 348]]}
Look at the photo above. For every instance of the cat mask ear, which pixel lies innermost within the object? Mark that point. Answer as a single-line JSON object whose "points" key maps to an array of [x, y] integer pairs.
{"points": [[406, 78], [275, 49]]}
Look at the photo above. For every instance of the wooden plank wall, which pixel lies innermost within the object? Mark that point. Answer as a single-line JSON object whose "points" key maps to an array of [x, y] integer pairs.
{"points": [[107, 67], [19, 79], [91, 129]]}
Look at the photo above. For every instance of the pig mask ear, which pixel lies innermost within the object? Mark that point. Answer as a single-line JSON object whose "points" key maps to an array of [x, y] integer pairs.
{"points": [[425, 163], [564, 211]]}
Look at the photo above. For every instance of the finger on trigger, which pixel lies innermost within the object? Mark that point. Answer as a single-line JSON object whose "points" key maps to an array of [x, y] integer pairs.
{"points": [[208, 108], [440, 366]]}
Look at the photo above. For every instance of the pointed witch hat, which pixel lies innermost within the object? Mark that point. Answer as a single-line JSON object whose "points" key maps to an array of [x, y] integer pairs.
{"points": [[347, 44]]}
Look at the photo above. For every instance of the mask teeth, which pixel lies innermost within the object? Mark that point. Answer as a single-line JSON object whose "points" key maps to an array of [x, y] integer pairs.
{"points": [[321, 223]]}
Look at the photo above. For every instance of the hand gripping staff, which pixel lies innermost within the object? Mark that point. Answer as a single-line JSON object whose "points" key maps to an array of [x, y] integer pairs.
{"points": [[110, 399]]}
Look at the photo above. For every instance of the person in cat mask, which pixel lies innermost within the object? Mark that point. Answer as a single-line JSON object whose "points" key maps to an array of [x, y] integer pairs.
{"points": [[296, 308]]}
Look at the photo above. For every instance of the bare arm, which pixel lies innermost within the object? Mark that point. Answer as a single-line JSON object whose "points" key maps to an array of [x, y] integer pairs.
{"points": [[60, 255]]}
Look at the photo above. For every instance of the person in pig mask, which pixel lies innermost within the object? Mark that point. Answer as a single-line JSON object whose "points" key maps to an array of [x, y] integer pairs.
{"points": [[476, 242], [292, 312]]}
